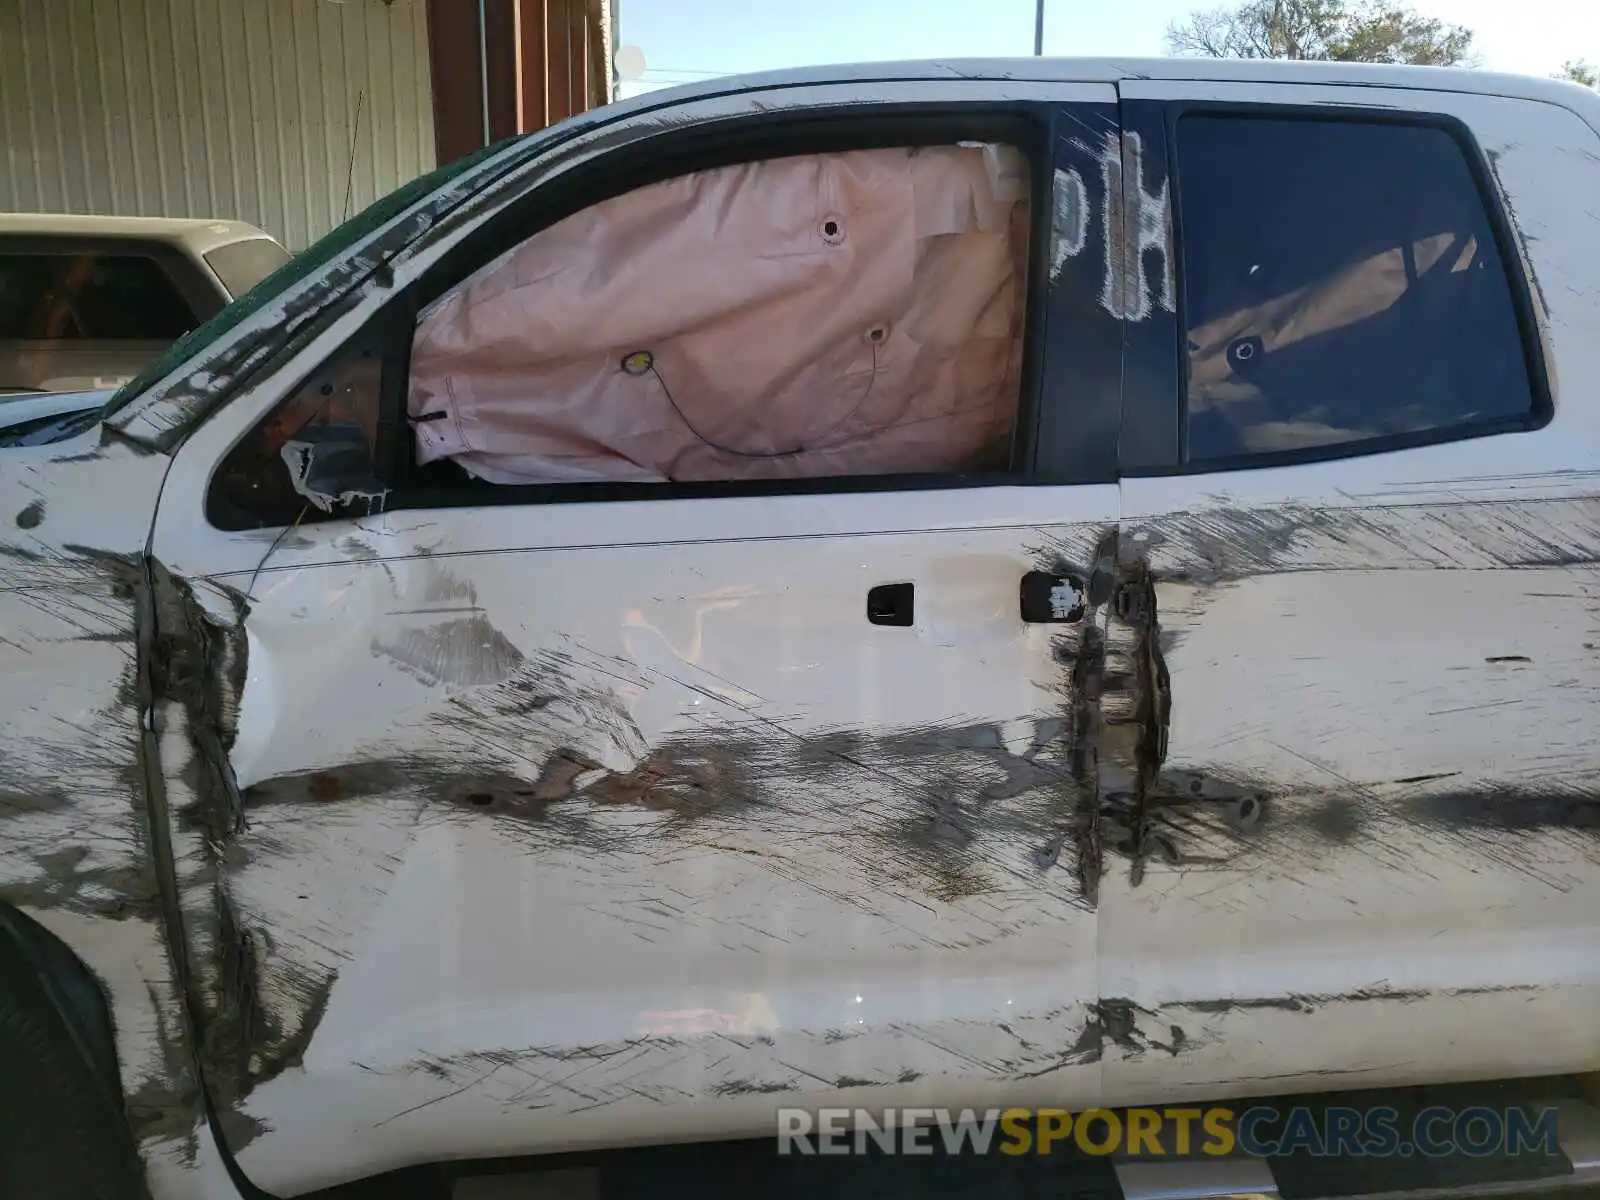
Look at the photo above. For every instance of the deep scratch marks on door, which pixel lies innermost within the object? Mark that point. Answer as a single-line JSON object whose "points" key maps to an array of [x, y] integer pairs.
{"points": [[946, 812], [1080, 648], [256, 1008], [75, 827], [1213, 813], [941, 837], [1118, 707], [1282, 804], [1139, 723], [1223, 543]]}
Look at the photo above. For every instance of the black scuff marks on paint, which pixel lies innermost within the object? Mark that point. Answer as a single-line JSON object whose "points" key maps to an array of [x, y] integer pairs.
{"points": [[1222, 544], [1079, 649], [1118, 709], [1490, 810], [465, 651], [951, 811], [93, 866], [106, 863], [198, 662], [244, 1041], [1296, 1004], [744, 1087], [1085, 688], [1113, 1022], [1209, 815], [1130, 818], [1217, 820]]}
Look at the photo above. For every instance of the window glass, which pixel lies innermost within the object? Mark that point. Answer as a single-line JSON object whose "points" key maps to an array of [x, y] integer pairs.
{"points": [[823, 315], [76, 297], [242, 265], [1341, 283], [27, 282]]}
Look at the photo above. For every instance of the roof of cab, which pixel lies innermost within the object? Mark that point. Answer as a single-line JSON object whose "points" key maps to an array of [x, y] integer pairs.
{"points": [[198, 236], [1114, 70]]}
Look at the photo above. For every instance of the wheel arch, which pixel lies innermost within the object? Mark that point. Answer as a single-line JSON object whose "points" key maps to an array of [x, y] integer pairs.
{"points": [[73, 992]]}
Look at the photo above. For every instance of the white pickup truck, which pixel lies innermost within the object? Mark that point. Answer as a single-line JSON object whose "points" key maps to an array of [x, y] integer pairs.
{"points": [[920, 585], [87, 301]]}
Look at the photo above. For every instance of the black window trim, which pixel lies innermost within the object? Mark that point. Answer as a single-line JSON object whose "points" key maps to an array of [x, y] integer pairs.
{"points": [[1152, 364], [1506, 243], [1030, 125]]}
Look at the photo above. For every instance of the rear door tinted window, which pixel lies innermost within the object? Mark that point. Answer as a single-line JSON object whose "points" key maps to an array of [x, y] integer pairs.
{"points": [[69, 297], [1342, 283]]}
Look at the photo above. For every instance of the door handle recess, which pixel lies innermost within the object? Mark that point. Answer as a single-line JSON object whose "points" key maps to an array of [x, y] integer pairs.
{"points": [[892, 604], [1052, 599]]}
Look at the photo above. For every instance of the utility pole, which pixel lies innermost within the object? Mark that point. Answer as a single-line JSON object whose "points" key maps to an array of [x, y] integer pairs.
{"points": [[483, 66], [1038, 28]]}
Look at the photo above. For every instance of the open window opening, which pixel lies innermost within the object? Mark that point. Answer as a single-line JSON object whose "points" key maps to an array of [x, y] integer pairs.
{"points": [[855, 315]]}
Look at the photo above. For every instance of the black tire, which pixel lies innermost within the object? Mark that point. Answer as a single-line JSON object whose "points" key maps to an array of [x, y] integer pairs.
{"points": [[62, 1131]]}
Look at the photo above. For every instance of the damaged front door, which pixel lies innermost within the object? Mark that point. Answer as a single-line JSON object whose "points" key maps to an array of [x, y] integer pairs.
{"points": [[513, 816], [1361, 814]]}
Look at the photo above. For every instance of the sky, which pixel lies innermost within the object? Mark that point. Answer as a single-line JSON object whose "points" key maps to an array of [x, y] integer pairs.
{"points": [[688, 40]]}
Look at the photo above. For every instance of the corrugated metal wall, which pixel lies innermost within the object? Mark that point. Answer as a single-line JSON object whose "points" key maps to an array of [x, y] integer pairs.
{"points": [[244, 109]]}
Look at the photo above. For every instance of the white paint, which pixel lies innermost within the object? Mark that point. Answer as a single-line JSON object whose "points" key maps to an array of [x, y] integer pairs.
{"points": [[1137, 220], [189, 1169], [1063, 599], [1069, 219], [22, 407]]}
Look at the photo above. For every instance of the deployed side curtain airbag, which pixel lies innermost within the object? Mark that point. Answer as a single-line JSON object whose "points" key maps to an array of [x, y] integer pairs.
{"points": [[831, 314]]}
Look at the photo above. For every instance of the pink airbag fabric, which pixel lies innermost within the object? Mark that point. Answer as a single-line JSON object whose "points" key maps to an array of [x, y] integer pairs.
{"points": [[835, 314]]}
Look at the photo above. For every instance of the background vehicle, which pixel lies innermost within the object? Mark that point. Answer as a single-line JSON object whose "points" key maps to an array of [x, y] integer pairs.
{"points": [[1103, 616], [87, 301]]}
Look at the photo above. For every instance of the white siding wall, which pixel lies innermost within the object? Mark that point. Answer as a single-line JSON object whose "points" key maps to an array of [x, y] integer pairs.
{"points": [[243, 109]]}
